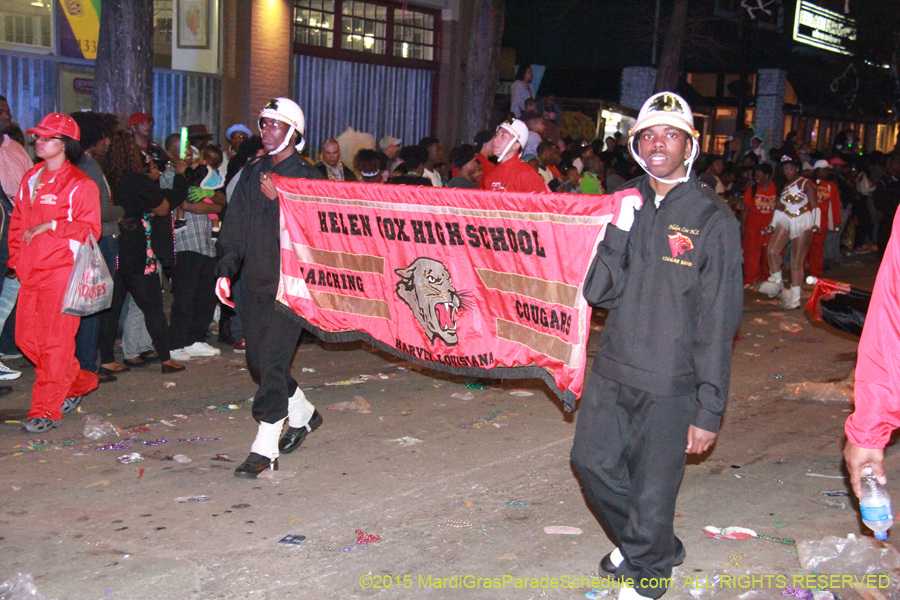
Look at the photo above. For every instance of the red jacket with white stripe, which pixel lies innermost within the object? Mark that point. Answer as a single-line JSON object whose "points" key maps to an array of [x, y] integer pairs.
{"points": [[72, 201], [829, 202]]}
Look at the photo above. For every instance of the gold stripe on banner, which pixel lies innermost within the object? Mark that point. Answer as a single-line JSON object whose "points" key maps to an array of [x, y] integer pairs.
{"points": [[366, 307], [541, 343], [552, 292], [362, 263]]}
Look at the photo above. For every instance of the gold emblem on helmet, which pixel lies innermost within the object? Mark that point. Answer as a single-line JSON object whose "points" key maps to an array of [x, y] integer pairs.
{"points": [[667, 103]]}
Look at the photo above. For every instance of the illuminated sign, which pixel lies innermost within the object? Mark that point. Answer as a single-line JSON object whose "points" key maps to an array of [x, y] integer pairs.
{"points": [[823, 28]]}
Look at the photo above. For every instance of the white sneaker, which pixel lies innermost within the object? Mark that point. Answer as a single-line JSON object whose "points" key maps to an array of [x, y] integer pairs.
{"points": [[628, 593], [7, 374], [198, 349], [180, 355]]}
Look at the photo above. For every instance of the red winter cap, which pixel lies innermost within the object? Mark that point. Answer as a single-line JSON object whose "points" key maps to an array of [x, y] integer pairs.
{"points": [[139, 118], [57, 124]]}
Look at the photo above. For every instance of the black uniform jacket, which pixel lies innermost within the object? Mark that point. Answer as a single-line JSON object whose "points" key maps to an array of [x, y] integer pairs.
{"points": [[249, 240], [673, 285]]}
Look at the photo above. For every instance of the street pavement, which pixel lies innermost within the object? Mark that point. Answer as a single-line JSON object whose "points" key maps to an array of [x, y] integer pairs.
{"points": [[455, 481]]}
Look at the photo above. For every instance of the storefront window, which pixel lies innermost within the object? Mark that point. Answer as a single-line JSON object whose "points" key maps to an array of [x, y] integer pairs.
{"points": [[27, 24], [314, 23]]}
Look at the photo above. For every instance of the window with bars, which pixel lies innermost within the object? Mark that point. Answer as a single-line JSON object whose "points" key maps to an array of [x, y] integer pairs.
{"points": [[373, 27]]}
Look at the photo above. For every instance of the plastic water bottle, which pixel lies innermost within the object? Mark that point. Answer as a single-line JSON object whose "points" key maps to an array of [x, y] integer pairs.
{"points": [[875, 504]]}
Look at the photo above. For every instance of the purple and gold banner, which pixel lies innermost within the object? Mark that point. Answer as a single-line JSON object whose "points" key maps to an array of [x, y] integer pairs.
{"points": [[79, 28]]}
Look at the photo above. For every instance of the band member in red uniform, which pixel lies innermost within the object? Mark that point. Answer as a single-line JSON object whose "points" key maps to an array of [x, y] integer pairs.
{"points": [[759, 200], [827, 216], [512, 173]]}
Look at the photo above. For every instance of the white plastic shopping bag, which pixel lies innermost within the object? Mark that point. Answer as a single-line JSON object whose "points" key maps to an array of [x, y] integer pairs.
{"points": [[90, 287]]}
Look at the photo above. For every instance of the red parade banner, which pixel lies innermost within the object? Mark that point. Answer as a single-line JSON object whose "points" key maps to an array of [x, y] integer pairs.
{"points": [[469, 282]]}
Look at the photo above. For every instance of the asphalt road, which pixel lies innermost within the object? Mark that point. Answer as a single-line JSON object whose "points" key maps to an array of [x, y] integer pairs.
{"points": [[456, 482]]}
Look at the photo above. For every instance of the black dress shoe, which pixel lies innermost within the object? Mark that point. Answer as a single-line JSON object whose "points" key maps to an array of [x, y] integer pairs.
{"points": [[294, 436], [608, 569], [137, 361], [254, 465], [149, 355], [167, 369]]}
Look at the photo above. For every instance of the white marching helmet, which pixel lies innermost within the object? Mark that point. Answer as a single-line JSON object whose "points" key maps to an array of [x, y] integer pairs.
{"points": [[286, 111], [666, 108], [519, 131]]}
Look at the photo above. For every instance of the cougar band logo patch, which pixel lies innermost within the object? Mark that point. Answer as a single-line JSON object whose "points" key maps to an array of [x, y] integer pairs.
{"points": [[679, 244], [426, 286], [48, 199]]}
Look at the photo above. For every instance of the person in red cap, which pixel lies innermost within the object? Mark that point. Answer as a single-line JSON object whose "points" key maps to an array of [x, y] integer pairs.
{"points": [[57, 208], [141, 125], [512, 174]]}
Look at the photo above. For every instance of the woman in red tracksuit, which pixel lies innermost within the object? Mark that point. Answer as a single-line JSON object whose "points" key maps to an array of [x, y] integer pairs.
{"points": [[57, 208]]}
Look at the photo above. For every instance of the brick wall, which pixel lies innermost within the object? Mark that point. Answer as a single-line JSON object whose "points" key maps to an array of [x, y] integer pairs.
{"points": [[270, 54]]}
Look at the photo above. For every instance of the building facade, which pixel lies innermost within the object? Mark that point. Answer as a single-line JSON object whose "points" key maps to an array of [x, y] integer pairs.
{"points": [[383, 67]]}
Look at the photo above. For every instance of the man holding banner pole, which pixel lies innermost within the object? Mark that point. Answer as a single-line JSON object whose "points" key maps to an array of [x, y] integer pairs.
{"points": [[250, 244], [669, 271]]}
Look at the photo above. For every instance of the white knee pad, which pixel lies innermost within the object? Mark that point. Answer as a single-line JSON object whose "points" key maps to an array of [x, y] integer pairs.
{"points": [[300, 410], [266, 442]]}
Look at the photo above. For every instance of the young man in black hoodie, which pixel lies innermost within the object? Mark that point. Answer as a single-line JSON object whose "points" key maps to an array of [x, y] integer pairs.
{"points": [[250, 244], [669, 271]]}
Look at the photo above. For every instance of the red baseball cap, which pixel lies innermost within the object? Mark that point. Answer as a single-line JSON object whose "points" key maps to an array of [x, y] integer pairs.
{"points": [[837, 160], [139, 118], [57, 124]]}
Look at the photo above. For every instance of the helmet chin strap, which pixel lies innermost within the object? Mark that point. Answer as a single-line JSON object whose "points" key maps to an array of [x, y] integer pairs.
{"points": [[508, 148], [287, 140], [688, 163]]}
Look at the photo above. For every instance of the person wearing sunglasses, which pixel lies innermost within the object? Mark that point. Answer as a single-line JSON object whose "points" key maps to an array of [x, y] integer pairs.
{"points": [[57, 208]]}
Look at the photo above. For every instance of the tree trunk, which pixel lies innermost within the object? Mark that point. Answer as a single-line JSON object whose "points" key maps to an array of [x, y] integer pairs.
{"points": [[667, 76], [123, 71], [482, 72]]}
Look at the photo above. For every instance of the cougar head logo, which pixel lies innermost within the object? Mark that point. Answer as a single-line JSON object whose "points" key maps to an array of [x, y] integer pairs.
{"points": [[679, 244], [427, 288]]}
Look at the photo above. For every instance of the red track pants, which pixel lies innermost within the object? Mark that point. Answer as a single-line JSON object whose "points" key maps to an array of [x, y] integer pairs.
{"points": [[817, 253], [754, 245], [47, 337]]}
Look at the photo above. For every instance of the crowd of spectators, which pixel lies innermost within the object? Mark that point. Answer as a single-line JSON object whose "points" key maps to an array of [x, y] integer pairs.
{"points": [[161, 210]]}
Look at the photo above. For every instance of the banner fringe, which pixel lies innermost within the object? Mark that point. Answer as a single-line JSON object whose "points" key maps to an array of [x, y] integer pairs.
{"points": [[567, 397]]}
